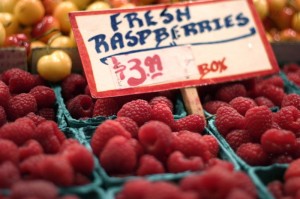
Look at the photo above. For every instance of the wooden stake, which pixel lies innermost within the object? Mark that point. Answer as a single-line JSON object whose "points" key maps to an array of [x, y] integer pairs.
{"points": [[192, 101]]}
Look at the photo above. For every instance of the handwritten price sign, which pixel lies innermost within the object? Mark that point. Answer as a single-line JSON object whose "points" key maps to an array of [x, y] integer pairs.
{"points": [[163, 47]]}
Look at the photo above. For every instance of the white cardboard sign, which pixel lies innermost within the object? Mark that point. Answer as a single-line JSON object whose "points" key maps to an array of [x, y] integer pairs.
{"points": [[162, 47]]}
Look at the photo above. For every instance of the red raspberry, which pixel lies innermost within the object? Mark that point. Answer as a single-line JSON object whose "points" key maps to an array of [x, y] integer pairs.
{"points": [[8, 151], [30, 148], [242, 104], [191, 144], [212, 143], [162, 99], [18, 80], [69, 196], [263, 101], [87, 90], [193, 122], [275, 80], [4, 94], [106, 107], [37, 119], [292, 99], [45, 96], [81, 179], [177, 163], [39, 80], [19, 131], [291, 186], [29, 166], [48, 134], [212, 106], [47, 113], [293, 171], [137, 147], [67, 142], [134, 189], [73, 85], [81, 106], [244, 183], [258, 120], [228, 92], [288, 118], [276, 188], [34, 189], [161, 112], [80, 158], [253, 154], [9, 174], [129, 124], [290, 67], [282, 159], [238, 137], [3, 118], [274, 93], [294, 77], [277, 141], [56, 169], [104, 132], [155, 137], [118, 156], [164, 190], [139, 110], [216, 162], [149, 165], [20, 105], [228, 119]]}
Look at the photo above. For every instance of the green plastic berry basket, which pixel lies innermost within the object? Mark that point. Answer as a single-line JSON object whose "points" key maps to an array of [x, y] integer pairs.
{"points": [[261, 176], [179, 111], [289, 86], [110, 181]]}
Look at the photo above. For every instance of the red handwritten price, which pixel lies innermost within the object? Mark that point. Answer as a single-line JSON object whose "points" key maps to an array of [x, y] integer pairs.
{"points": [[136, 71], [213, 67]]}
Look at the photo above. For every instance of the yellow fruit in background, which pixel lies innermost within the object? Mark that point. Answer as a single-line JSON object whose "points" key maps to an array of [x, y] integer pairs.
{"points": [[29, 12], [262, 8], [9, 22], [54, 67], [296, 21], [7, 5], [37, 44], [61, 13], [81, 4], [98, 5], [61, 41], [71, 35], [2, 34]]}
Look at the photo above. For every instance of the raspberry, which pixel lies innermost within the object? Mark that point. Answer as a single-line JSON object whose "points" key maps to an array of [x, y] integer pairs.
{"points": [[9, 174], [105, 107], [69, 196], [129, 124], [30, 148], [118, 156], [149, 165], [294, 77], [81, 106], [244, 183], [253, 154], [39, 80], [228, 119], [18, 80], [292, 99], [162, 99], [47, 113], [290, 67], [242, 104], [161, 112], [137, 147], [104, 132], [260, 101], [163, 190], [34, 189], [47, 133], [8, 151], [238, 137], [288, 118], [177, 163], [258, 120], [276, 141], [274, 80], [44, 96], [139, 110], [4, 94], [20, 105], [18, 132], [155, 137], [193, 122], [81, 179], [228, 92], [56, 169], [37, 119], [212, 143], [80, 158], [238, 193], [216, 162], [292, 186], [135, 189], [73, 85], [274, 93], [276, 188], [3, 118], [212, 106], [282, 159], [191, 144], [29, 167], [67, 142], [293, 171]]}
